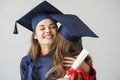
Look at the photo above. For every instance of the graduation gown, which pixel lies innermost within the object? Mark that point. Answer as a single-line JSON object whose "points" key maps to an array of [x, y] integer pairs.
{"points": [[35, 70]]}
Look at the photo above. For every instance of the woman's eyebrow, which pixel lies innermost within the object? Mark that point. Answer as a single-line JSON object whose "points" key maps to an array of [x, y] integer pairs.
{"points": [[41, 25], [52, 23]]}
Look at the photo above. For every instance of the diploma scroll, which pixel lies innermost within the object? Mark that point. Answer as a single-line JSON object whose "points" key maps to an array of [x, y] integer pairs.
{"points": [[79, 60]]}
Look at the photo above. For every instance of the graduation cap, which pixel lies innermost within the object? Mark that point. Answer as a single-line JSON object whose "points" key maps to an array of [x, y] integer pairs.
{"points": [[38, 13], [72, 27]]}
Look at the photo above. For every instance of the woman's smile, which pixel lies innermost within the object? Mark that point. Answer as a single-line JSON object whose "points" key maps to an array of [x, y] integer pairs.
{"points": [[48, 36]]}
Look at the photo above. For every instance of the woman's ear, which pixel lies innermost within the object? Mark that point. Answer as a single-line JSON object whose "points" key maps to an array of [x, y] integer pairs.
{"points": [[35, 37]]}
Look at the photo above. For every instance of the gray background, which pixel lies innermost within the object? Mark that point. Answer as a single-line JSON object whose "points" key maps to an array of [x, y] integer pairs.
{"points": [[102, 16]]}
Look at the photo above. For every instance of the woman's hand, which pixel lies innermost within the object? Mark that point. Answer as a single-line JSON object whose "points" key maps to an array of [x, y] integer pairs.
{"points": [[67, 62]]}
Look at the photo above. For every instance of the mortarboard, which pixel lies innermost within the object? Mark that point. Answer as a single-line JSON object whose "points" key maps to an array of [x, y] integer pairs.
{"points": [[72, 27], [43, 9]]}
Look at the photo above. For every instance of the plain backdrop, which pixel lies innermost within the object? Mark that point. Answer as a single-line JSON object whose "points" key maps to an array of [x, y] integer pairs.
{"points": [[102, 16]]}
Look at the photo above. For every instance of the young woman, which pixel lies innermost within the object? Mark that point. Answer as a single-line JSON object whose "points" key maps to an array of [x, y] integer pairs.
{"points": [[38, 61], [41, 50]]}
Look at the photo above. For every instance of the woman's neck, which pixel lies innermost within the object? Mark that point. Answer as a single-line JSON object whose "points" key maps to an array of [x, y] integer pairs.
{"points": [[45, 49]]}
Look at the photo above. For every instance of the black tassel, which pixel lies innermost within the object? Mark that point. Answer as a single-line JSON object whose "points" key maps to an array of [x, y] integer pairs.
{"points": [[15, 29]]}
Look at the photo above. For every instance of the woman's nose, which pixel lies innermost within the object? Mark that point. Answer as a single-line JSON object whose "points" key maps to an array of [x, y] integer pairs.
{"points": [[47, 30]]}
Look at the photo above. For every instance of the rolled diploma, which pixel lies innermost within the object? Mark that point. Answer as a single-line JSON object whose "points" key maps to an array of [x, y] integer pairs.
{"points": [[79, 60]]}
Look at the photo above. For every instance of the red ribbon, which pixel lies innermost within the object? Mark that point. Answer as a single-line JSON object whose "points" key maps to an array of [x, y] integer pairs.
{"points": [[79, 71], [71, 72]]}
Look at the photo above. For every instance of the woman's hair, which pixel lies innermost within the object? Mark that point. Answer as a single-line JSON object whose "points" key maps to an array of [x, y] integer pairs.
{"points": [[64, 48], [35, 46]]}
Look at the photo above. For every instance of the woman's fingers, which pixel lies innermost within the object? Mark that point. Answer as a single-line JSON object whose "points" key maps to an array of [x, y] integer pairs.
{"points": [[69, 58], [68, 61], [67, 65]]}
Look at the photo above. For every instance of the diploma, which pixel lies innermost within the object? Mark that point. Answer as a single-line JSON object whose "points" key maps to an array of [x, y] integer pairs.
{"points": [[79, 60]]}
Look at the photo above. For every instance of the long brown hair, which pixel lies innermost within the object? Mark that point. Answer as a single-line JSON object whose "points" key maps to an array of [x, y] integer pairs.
{"points": [[34, 47], [64, 48]]}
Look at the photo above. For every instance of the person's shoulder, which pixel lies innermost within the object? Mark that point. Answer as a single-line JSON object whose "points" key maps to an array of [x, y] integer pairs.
{"points": [[25, 62], [27, 56], [26, 59]]}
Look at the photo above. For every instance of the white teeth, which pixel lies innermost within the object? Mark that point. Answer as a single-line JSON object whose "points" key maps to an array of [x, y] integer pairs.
{"points": [[48, 37]]}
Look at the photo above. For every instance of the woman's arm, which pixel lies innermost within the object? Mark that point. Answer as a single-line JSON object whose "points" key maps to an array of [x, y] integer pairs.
{"points": [[26, 60]]}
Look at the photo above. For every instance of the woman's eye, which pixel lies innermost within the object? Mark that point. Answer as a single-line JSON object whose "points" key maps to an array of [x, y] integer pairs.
{"points": [[41, 28], [52, 26]]}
